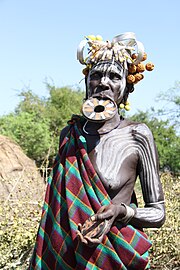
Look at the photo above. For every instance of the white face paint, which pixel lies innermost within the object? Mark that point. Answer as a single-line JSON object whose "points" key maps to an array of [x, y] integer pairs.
{"points": [[107, 79]]}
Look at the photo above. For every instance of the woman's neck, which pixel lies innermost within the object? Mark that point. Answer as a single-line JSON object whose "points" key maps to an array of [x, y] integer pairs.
{"points": [[95, 128]]}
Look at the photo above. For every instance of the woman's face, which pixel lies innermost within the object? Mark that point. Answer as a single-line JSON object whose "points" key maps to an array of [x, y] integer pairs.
{"points": [[107, 79]]}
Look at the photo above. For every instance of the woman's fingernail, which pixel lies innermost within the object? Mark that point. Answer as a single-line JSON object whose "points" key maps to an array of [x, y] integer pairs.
{"points": [[93, 218]]}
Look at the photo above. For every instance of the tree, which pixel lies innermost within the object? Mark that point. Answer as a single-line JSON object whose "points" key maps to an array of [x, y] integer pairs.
{"points": [[60, 105], [29, 131], [166, 139], [37, 121], [171, 105]]}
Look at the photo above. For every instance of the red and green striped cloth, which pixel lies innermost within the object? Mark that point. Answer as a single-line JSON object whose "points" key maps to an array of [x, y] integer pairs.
{"points": [[75, 192]]}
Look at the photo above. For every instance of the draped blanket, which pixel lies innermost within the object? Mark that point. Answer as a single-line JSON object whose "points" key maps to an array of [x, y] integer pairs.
{"points": [[75, 192]]}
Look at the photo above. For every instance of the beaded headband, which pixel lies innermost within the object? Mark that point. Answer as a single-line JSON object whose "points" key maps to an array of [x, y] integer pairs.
{"points": [[123, 48]]}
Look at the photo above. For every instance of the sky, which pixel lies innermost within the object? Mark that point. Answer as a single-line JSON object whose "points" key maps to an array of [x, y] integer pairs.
{"points": [[39, 40]]}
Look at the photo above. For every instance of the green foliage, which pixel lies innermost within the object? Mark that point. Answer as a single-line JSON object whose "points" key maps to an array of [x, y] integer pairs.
{"points": [[61, 104], [29, 131], [166, 139], [31, 104], [36, 123]]}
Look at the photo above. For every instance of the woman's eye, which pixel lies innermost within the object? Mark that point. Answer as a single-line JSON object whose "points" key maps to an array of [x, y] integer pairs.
{"points": [[115, 76], [95, 76]]}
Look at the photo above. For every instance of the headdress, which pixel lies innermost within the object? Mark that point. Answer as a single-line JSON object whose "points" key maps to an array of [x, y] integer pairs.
{"points": [[123, 48]]}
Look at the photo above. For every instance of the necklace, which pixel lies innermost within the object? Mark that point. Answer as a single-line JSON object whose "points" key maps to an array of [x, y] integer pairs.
{"points": [[98, 133]]}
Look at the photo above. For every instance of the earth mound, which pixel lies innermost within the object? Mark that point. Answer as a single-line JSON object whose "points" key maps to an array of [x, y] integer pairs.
{"points": [[19, 176], [21, 197]]}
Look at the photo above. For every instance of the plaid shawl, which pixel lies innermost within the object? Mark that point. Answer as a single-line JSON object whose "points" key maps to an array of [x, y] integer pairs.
{"points": [[74, 192]]}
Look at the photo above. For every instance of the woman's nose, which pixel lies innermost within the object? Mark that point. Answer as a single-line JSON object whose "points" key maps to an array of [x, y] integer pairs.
{"points": [[104, 84]]}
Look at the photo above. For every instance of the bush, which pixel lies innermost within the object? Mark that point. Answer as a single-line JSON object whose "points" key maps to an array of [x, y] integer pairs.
{"points": [[17, 233], [164, 253]]}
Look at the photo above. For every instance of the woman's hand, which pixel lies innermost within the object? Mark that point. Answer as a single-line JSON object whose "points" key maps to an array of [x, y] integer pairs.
{"points": [[108, 214]]}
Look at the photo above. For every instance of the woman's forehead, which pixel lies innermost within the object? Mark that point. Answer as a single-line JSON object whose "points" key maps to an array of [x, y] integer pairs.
{"points": [[107, 67]]}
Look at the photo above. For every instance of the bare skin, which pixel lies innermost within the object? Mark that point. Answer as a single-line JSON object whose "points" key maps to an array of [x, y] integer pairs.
{"points": [[120, 151]]}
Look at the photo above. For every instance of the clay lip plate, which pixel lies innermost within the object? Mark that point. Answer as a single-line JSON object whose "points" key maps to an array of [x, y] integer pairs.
{"points": [[95, 109]]}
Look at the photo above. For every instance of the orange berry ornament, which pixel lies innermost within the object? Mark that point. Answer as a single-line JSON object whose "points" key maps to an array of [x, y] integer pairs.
{"points": [[130, 78], [140, 67], [149, 66], [134, 56], [138, 77], [144, 57], [132, 69]]}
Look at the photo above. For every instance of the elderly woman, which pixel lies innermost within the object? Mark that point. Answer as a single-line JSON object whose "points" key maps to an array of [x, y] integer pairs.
{"points": [[90, 218]]}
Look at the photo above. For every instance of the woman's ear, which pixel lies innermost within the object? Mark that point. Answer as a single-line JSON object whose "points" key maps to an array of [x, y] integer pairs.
{"points": [[86, 97], [130, 87]]}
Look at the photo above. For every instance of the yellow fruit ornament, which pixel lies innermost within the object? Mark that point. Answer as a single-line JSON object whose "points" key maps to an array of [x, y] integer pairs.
{"points": [[98, 37], [92, 37], [125, 106], [121, 106]]}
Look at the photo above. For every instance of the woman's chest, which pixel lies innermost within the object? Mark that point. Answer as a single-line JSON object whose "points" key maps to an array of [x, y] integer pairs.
{"points": [[115, 159]]}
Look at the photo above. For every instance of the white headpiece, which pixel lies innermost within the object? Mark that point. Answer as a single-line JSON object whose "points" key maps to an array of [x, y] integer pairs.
{"points": [[123, 48], [120, 49]]}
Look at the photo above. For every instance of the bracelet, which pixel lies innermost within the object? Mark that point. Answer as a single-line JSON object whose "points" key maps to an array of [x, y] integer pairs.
{"points": [[129, 214]]}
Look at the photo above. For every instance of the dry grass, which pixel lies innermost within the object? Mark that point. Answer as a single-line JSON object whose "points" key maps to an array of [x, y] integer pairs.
{"points": [[20, 222], [164, 254]]}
